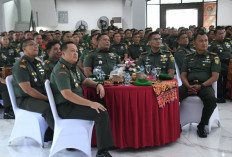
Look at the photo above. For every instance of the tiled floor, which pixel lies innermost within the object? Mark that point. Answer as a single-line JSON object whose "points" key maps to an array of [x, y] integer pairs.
{"points": [[218, 143]]}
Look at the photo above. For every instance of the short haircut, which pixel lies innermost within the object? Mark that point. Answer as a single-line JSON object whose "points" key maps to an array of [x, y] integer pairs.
{"points": [[100, 35], [217, 29], [199, 33], [25, 42], [66, 33], [127, 30], [134, 34], [35, 34], [179, 35], [52, 43], [116, 34], [153, 33], [65, 45]]}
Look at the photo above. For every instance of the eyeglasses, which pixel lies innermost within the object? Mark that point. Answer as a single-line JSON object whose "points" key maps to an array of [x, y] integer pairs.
{"points": [[156, 39], [33, 44]]}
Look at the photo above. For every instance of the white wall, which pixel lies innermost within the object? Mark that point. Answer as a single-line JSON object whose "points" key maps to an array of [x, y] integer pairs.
{"points": [[224, 12], [47, 16], [11, 16], [139, 14], [88, 10], [2, 18], [25, 10]]}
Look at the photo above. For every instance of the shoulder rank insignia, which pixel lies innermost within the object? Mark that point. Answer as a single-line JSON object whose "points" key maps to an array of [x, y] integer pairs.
{"points": [[212, 53], [167, 51], [180, 50], [62, 72], [216, 60], [48, 62], [189, 54], [91, 51], [22, 66], [143, 53], [63, 66], [23, 61]]}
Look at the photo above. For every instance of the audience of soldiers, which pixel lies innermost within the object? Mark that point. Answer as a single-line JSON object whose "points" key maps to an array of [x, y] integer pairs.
{"points": [[164, 47]]}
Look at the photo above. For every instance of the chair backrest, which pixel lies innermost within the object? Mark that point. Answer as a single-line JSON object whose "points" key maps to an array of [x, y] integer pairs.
{"points": [[11, 93], [51, 100], [178, 75]]}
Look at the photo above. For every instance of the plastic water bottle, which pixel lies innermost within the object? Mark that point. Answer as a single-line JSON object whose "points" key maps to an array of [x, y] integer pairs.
{"points": [[141, 68], [127, 79], [153, 73], [102, 75], [115, 66]]}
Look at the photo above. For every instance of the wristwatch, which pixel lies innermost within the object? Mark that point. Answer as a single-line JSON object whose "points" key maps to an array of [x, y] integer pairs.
{"points": [[202, 86]]}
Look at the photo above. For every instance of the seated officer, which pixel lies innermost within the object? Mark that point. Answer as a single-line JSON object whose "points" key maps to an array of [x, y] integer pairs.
{"points": [[119, 48], [28, 80], [101, 57], [156, 57], [199, 71], [54, 53], [224, 51], [135, 49], [8, 111], [66, 82], [7, 53], [182, 50], [92, 48]]}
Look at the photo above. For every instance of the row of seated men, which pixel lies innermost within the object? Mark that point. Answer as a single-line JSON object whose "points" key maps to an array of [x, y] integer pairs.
{"points": [[199, 70]]}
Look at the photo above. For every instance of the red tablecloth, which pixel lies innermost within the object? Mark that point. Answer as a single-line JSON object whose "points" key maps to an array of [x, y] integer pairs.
{"points": [[136, 120]]}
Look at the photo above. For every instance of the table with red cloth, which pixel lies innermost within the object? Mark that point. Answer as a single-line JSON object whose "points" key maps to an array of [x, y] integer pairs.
{"points": [[136, 119]]}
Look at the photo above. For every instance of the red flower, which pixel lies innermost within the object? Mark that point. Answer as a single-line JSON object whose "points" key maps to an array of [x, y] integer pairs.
{"points": [[43, 47]]}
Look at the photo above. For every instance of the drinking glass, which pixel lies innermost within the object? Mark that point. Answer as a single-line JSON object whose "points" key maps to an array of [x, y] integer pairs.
{"points": [[158, 71], [148, 69]]}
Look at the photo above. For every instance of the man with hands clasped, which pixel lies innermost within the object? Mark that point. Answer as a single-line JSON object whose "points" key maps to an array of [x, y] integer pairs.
{"points": [[66, 81]]}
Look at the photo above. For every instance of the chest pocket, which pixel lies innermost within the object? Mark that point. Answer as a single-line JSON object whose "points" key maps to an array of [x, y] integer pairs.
{"points": [[99, 60]]}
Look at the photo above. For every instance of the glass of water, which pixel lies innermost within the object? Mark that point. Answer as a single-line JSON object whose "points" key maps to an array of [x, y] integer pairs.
{"points": [[158, 71], [148, 69]]}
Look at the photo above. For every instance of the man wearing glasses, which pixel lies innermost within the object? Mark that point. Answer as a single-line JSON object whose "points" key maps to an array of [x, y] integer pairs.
{"points": [[157, 57], [28, 80]]}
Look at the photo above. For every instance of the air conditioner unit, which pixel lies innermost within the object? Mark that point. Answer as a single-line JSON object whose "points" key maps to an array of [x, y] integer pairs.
{"points": [[117, 19]]}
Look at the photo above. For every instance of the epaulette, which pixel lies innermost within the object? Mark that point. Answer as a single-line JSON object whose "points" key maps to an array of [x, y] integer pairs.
{"points": [[48, 62], [143, 53], [212, 53], [63, 66], [179, 50], [189, 54], [23, 61], [228, 39], [38, 60], [91, 51], [167, 51]]}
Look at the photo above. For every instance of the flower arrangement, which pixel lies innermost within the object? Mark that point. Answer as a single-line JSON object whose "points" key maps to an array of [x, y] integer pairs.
{"points": [[130, 66]]}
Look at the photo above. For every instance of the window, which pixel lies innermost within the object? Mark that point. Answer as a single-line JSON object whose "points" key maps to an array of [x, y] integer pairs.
{"points": [[191, 1], [170, 1], [153, 16], [180, 18]]}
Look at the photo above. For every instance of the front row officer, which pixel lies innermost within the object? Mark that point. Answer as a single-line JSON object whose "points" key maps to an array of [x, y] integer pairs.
{"points": [[199, 71], [66, 81]]}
